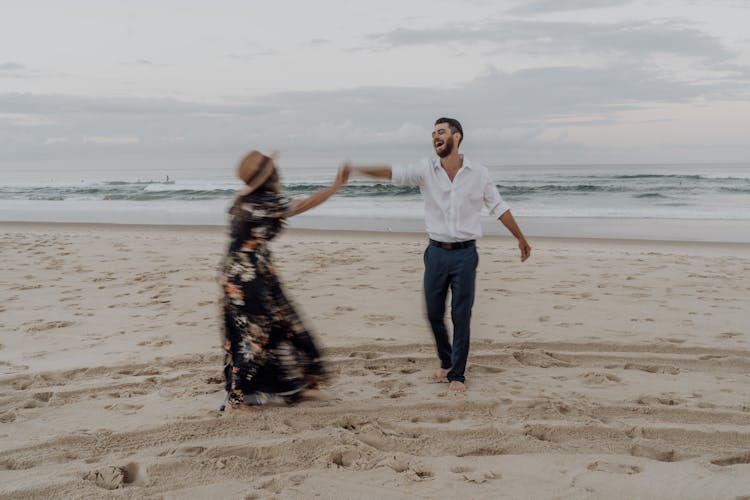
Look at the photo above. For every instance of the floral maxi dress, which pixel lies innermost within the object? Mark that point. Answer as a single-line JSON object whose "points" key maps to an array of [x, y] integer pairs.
{"points": [[268, 349]]}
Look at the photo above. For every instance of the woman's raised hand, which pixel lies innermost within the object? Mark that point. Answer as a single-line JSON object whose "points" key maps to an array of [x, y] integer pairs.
{"points": [[342, 176]]}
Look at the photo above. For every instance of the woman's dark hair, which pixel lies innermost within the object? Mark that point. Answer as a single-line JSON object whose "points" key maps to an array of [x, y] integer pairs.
{"points": [[269, 184], [454, 125]]}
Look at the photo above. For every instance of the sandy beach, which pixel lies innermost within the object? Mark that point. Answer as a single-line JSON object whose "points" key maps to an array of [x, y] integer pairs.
{"points": [[612, 369]]}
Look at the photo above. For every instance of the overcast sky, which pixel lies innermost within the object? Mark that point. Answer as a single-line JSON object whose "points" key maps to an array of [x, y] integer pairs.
{"points": [[538, 81]]}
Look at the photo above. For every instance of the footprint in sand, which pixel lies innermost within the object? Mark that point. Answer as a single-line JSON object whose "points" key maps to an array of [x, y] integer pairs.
{"points": [[653, 453], [7, 416], [186, 451], [436, 419], [140, 372], [125, 409], [542, 432], [109, 478], [539, 359], [671, 340], [484, 452], [733, 460], [614, 468], [112, 478], [599, 378], [394, 389], [659, 400], [379, 319], [378, 369], [409, 370], [522, 334], [671, 370], [709, 357], [42, 326], [414, 470], [159, 342], [729, 335], [364, 355], [345, 456], [479, 477], [474, 368], [43, 396], [31, 403], [22, 383]]}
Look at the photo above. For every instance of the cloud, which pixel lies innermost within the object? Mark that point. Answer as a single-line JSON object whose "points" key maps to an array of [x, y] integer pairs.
{"points": [[12, 66], [144, 63], [253, 50], [26, 119], [634, 39], [12, 69], [499, 109], [108, 139], [56, 140], [81, 106], [544, 6], [526, 96]]}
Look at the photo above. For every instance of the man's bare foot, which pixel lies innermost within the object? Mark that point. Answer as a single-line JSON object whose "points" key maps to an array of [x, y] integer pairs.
{"points": [[456, 386], [241, 409], [440, 375]]}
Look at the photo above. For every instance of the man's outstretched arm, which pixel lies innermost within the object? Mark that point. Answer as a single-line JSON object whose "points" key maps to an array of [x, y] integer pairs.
{"points": [[510, 223], [379, 172]]}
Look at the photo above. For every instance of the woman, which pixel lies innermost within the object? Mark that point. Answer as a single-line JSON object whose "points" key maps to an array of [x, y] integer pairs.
{"points": [[268, 350]]}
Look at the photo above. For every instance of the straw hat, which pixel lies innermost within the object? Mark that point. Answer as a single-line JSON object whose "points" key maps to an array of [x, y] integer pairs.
{"points": [[255, 168]]}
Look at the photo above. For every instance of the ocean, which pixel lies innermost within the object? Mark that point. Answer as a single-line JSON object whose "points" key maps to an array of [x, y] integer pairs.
{"points": [[696, 202]]}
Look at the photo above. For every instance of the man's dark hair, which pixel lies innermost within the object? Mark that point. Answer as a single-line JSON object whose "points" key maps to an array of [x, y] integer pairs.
{"points": [[454, 125]]}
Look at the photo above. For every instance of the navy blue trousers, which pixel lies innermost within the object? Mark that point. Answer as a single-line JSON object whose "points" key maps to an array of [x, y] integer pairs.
{"points": [[455, 270]]}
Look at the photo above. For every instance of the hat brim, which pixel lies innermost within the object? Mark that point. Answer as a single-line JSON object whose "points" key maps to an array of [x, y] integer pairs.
{"points": [[261, 176]]}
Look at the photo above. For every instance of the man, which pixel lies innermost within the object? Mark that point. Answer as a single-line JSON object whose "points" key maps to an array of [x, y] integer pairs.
{"points": [[454, 190]]}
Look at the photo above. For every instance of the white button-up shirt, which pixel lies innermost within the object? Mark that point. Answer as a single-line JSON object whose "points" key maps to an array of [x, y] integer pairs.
{"points": [[452, 209]]}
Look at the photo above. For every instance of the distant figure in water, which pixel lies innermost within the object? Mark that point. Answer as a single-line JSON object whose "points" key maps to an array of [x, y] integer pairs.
{"points": [[269, 352]]}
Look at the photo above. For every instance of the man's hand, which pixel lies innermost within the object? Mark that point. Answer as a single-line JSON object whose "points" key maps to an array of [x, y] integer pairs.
{"points": [[510, 223], [525, 248]]}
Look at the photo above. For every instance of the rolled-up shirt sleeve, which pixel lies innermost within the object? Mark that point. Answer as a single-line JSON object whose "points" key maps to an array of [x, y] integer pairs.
{"points": [[408, 175], [492, 199]]}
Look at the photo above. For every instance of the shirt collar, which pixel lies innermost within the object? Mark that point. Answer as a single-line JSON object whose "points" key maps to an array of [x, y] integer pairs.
{"points": [[466, 162]]}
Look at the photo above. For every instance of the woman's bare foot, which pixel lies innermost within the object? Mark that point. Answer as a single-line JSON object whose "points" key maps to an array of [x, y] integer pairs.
{"points": [[440, 375], [313, 395], [311, 381], [456, 386], [241, 409]]}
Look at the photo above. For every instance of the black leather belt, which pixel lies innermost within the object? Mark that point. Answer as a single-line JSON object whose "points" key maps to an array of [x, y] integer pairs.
{"points": [[453, 246]]}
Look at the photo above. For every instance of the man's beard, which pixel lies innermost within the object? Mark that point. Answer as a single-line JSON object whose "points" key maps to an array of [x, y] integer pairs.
{"points": [[447, 148]]}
